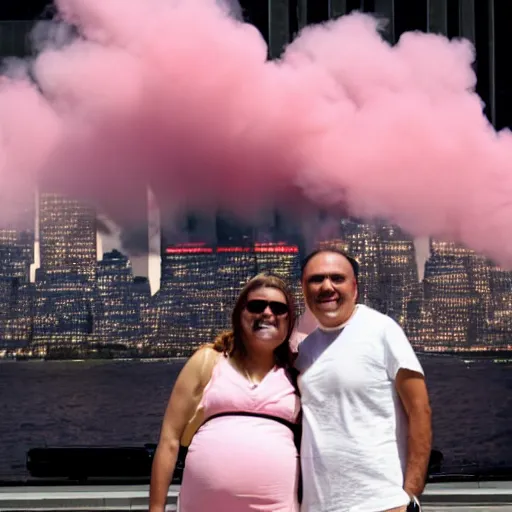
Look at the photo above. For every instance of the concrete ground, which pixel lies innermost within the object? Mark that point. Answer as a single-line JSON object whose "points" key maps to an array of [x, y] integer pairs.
{"points": [[446, 497]]}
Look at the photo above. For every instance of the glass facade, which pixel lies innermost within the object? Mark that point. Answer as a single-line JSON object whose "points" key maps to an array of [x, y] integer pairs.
{"points": [[16, 291], [467, 299], [118, 318], [186, 300], [67, 230], [201, 283], [65, 287]]}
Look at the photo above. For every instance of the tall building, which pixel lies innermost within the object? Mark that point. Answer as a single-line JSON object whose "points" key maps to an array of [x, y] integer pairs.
{"points": [[449, 296], [190, 229], [362, 242], [64, 311], [420, 323], [67, 232], [233, 232], [16, 293], [499, 309], [484, 22], [202, 283], [118, 318], [398, 274], [283, 260], [65, 297], [187, 299], [487, 296], [235, 266], [14, 36], [16, 253], [147, 308]]}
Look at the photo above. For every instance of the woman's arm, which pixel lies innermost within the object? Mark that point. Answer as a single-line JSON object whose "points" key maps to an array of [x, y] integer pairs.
{"points": [[185, 398]]}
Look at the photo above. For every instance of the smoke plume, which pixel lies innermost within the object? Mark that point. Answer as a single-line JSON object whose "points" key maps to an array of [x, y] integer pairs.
{"points": [[179, 95]]}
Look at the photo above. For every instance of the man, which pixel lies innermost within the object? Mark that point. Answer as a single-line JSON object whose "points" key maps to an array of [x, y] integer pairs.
{"points": [[367, 422]]}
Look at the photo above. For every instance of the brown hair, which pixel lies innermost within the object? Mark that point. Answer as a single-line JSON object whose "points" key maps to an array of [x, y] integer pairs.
{"points": [[231, 342]]}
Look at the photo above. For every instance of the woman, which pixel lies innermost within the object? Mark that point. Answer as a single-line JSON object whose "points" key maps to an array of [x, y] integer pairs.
{"points": [[235, 462]]}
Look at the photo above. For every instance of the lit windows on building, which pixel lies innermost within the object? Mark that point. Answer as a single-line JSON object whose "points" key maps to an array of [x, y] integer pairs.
{"points": [[398, 275], [235, 265], [65, 290], [16, 293], [281, 259], [63, 313], [499, 318], [202, 283], [144, 301], [456, 294], [361, 241], [118, 312], [67, 236], [187, 298]]}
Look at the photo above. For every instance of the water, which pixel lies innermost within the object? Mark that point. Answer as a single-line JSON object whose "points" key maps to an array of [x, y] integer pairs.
{"points": [[122, 403]]}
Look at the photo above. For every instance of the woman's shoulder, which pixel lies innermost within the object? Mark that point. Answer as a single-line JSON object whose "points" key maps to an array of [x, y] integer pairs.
{"points": [[203, 360], [206, 351]]}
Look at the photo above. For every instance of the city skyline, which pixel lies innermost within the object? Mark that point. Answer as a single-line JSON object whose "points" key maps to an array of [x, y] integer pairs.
{"points": [[79, 303], [145, 255]]}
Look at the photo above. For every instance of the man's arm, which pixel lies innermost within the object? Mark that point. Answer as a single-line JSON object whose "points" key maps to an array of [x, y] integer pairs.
{"points": [[413, 393]]}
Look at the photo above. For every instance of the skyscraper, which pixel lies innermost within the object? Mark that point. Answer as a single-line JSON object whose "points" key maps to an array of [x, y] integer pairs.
{"points": [[13, 278], [233, 232], [236, 264], [281, 259], [187, 299], [362, 242], [499, 319], [16, 292], [67, 231], [449, 297], [398, 273], [64, 313], [65, 298], [118, 312]]}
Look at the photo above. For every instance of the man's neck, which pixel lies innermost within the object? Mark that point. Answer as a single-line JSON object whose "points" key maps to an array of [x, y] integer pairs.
{"points": [[340, 326]]}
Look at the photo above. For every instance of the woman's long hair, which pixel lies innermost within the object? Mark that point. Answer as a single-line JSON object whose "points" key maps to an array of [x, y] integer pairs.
{"points": [[231, 342]]}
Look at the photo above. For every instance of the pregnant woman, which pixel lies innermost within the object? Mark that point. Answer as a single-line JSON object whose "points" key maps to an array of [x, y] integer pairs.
{"points": [[239, 393]]}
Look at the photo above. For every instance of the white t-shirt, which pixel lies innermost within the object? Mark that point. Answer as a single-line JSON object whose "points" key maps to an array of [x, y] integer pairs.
{"points": [[354, 442]]}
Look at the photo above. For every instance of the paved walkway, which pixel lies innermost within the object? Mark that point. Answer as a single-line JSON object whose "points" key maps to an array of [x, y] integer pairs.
{"points": [[466, 497]]}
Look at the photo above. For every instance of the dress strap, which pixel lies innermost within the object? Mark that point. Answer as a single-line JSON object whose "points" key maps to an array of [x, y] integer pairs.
{"points": [[294, 427]]}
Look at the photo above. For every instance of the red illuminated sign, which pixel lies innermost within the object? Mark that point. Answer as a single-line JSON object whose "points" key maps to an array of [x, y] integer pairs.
{"points": [[234, 249], [290, 249], [189, 249], [280, 248], [201, 248]]}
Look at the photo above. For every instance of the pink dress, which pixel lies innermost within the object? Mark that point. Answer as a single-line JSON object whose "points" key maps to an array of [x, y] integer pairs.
{"points": [[241, 463]]}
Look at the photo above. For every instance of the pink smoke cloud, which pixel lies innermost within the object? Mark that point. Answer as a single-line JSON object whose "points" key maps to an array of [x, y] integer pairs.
{"points": [[180, 95]]}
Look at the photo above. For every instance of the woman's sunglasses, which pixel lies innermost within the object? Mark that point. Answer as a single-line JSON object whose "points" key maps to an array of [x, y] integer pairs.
{"points": [[258, 306]]}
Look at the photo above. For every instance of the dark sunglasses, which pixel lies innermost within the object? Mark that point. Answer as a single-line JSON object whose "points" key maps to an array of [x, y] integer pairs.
{"points": [[258, 306]]}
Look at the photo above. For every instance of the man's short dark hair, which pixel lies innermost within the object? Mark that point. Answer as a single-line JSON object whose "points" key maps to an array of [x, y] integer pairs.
{"points": [[353, 262]]}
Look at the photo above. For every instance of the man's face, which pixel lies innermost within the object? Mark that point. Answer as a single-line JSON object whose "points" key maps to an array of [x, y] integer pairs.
{"points": [[330, 288]]}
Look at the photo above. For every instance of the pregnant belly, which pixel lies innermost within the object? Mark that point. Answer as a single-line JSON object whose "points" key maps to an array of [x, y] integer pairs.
{"points": [[242, 457]]}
